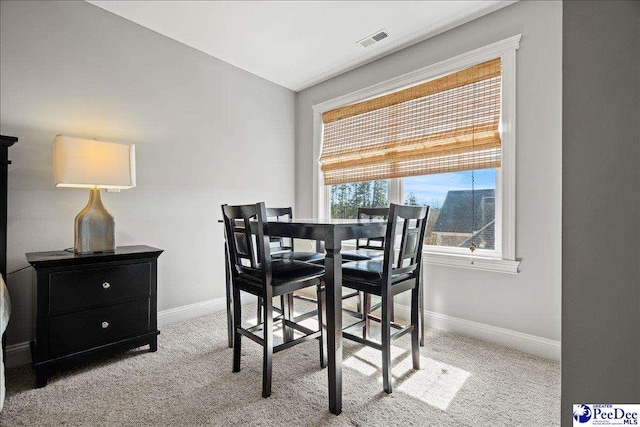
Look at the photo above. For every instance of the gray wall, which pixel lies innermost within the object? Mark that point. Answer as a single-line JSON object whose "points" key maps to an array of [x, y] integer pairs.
{"points": [[206, 133], [530, 301], [601, 204]]}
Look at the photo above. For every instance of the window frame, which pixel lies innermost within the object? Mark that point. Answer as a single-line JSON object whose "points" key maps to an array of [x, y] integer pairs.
{"points": [[503, 258]]}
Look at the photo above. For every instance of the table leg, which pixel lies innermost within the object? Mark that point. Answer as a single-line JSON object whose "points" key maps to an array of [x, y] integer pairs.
{"points": [[227, 273], [333, 263]]}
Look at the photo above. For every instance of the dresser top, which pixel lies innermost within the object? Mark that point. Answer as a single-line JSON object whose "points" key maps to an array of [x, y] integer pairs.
{"points": [[7, 141], [63, 258]]}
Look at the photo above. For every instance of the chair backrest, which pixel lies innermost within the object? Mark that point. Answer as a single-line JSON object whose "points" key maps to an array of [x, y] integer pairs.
{"points": [[247, 238], [412, 220], [376, 243], [280, 244]]}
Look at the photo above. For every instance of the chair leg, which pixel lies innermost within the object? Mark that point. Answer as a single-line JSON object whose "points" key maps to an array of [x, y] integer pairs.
{"points": [[323, 333], [359, 302], [285, 316], [421, 303], [259, 310], [392, 311], [291, 299], [286, 302], [267, 359], [237, 316], [386, 344], [366, 310], [227, 276], [415, 333]]}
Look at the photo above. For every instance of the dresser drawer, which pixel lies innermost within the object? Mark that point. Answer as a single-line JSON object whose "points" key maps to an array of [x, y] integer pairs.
{"points": [[79, 331], [80, 289]]}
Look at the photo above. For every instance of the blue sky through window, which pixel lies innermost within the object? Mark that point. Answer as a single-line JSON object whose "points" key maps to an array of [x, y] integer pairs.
{"points": [[432, 189]]}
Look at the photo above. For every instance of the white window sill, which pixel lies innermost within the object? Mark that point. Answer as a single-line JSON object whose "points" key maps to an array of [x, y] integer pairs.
{"points": [[479, 263]]}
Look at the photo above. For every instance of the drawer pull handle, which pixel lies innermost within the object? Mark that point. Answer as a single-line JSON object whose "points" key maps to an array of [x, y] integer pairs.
{"points": [[106, 285], [105, 325]]}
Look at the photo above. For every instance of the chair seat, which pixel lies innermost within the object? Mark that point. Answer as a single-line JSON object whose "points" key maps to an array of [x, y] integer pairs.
{"points": [[284, 271], [315, 257], [361, 254], [368, 272]]}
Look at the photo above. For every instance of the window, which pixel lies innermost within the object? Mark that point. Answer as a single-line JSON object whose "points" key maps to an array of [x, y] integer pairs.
{"points": [[443, 136]]}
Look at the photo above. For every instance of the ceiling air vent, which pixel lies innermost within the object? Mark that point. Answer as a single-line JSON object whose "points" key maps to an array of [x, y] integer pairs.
{"points": [[374, 38]]}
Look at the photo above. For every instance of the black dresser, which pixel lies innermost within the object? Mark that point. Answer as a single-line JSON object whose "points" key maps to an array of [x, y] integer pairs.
{"points": [[89, 304]]}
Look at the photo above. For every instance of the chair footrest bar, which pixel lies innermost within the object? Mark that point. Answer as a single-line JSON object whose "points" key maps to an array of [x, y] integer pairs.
{"points": [[259, 326], [305, 316], [305, 298], [251, 336], [351, 295], [298, 327], [393, 324], [296, 341], [358, 324], [363, 341], [314, 300], [353, 313], [401, 332]]}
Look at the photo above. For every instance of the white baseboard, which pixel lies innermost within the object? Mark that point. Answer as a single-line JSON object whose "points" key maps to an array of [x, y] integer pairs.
{"points": [[186, 312], [20, 354], [527, 343]]}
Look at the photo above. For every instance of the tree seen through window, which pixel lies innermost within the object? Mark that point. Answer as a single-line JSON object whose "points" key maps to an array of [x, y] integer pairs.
{"points": [[347, 198]]}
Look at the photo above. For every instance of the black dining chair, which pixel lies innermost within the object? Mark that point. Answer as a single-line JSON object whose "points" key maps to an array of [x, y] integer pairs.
{"points": [[282, 247], [398, 271], [367, 248], [254, 271]]}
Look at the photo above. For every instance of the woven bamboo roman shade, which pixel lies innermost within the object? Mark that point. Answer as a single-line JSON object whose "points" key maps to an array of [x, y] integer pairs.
{"points": [[444, 125]]}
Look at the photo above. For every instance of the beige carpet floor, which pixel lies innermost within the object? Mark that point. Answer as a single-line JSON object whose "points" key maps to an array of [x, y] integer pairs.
{"points": [[462, 382]]}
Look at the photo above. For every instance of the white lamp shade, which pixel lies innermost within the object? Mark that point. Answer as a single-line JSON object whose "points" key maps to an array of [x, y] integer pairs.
{"points": [[87, 163]]}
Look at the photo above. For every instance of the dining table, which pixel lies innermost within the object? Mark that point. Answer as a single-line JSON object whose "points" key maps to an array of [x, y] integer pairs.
{"points": [[329, 235]]}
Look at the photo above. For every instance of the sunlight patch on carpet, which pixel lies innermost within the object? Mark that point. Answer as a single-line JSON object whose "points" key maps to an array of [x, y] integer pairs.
{"points": [[436, 383]]}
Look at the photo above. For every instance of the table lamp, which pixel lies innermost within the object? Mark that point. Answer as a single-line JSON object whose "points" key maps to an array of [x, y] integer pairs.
{"points": [[93, 164]]}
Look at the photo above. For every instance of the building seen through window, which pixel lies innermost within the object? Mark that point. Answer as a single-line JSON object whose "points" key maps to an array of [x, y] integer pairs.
{"points": [[458, 213]]}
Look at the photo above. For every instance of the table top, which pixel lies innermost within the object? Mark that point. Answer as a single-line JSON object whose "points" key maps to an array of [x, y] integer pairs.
{"points": [[325, 221], [334, 222], [328, 230]]}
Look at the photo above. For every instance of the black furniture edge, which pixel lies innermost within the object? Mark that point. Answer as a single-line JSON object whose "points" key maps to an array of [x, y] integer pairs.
{"points": [[126, 343], [66, 258], [8, 140], [5, 143]]}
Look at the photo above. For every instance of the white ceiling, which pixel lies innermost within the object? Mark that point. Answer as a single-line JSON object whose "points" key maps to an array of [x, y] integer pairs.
{"points": [[297, 44]]}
